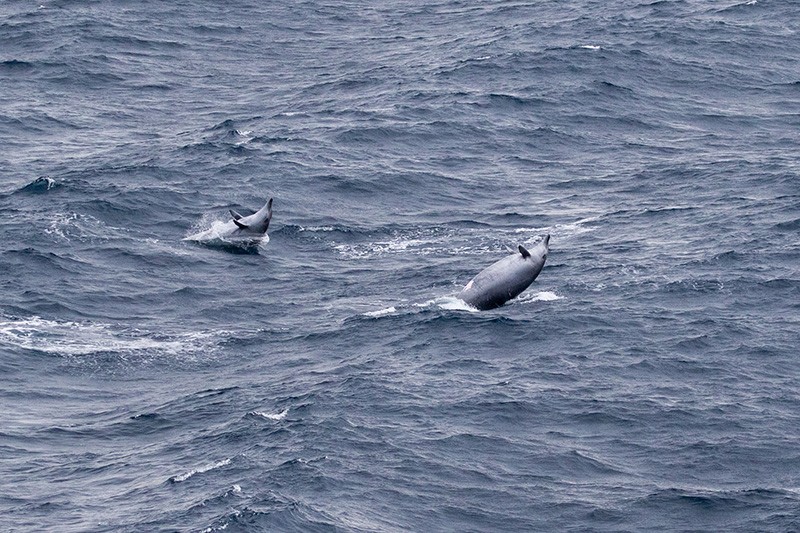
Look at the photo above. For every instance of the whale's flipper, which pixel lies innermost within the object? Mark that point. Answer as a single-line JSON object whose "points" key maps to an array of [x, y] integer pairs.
{"points": [[235, 215], [525, 253], [241, 226]]}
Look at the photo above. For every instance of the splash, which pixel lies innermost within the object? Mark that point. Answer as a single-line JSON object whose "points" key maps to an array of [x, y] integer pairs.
{"points": [[448, 303], [451, 303], [215, 233]]}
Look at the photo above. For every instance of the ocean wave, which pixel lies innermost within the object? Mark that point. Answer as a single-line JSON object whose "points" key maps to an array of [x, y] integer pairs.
{"points": [[646, 380], [39, 186]]}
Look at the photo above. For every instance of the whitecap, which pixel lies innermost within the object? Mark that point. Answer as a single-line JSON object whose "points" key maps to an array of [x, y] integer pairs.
{"points": [[211, 466], [381, 312], [245, 137], [317, 228], [272, 416]]}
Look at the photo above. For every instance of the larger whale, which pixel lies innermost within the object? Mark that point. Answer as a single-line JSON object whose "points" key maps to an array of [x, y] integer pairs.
{"points": [[507, 278], [241, 229]]}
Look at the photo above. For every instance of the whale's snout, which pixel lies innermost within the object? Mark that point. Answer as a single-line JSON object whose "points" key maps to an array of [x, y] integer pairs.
{"points": [[546, 242]]}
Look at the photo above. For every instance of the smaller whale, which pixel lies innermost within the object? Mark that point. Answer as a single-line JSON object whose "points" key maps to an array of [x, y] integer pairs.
{"points": [[255, 224], [507, 278], [245, 230]]}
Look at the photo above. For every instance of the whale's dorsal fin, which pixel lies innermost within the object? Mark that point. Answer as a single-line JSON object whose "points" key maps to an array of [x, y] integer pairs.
{"points": [[525, 253], [241, 226], [235, 215]]}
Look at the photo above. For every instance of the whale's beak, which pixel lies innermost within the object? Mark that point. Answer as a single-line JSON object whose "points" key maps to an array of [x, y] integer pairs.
{"points": [[546, 242]]}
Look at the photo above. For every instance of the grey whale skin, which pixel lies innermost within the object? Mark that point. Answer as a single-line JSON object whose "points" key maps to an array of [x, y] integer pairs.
{"points": [[257, 223], [507, 278]]}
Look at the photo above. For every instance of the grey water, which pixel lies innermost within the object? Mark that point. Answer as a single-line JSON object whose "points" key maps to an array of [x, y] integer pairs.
{"points": [[327, 379]]}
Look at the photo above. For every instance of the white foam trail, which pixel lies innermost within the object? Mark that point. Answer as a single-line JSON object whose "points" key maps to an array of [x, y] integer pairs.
{"points": [[82, 339], [562, 231], [200, 470], [444, 241], [69, 226], [271, 416], [397, 245]]}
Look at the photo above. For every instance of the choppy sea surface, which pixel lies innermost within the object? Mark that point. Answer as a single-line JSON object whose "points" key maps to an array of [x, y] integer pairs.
{"points": [[328, 379]]}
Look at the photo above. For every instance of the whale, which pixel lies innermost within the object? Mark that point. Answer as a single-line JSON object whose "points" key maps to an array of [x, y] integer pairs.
{"points": [[507, 278], [255, 224], [240, 229]]}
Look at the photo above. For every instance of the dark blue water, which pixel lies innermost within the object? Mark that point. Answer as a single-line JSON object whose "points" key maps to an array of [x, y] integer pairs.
{"points": [[328, 380]]}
